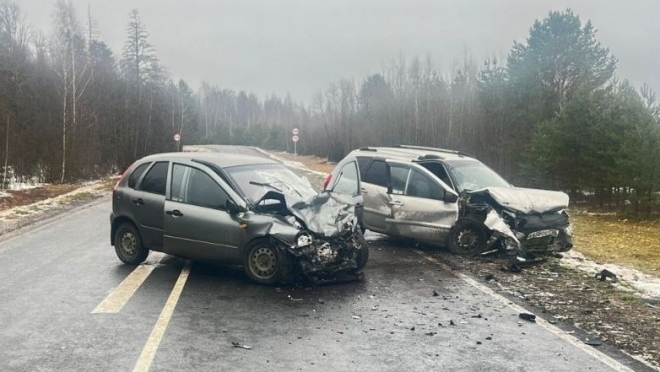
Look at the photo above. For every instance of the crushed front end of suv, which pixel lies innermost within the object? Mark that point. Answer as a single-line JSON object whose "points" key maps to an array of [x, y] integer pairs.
{"points": [[449, 198], [238, 210]]}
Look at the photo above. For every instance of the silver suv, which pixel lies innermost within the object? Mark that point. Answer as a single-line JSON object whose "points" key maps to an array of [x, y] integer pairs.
{"points": [[240, 210], [450, 198]]}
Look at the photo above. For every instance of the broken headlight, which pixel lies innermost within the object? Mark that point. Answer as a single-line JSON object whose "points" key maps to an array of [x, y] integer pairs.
{"points": [[303, 240]]}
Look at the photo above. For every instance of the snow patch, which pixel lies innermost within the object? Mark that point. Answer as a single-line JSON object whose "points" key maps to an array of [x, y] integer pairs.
{"points": [[646, 286]]}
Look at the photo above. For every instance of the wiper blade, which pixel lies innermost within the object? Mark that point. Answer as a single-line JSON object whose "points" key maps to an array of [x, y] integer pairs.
{"points": [[266, 184]]}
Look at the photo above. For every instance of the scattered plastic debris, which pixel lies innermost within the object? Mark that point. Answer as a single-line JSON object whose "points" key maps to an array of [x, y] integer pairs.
{"points": [[605, 274], [435, 293], [528, 317], [241, 346], [593, 342]]}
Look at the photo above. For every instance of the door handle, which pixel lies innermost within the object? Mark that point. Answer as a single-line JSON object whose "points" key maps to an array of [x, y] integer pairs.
{"points": [[138, 201], [363, 190], [396, 203], [175, 213]]}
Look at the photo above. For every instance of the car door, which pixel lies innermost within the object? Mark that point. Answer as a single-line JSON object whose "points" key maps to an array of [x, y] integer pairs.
{"points": [[348, 184], [422, 206], [373, 188], [197, 223], [147, 202]]}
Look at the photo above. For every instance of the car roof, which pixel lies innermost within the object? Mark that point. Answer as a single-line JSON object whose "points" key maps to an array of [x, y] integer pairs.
{"points": [[405, 152], [222, 160]]}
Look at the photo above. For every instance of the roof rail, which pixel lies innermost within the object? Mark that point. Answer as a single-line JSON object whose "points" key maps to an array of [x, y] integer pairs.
{"points": [[412, 147], [368, 149]]}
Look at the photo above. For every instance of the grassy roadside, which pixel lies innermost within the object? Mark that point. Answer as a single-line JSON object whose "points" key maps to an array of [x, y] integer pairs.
{"points": [[608, 239], [66, 193]]}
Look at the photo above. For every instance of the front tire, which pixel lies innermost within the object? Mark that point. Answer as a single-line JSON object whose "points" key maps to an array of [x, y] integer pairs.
{"points": [[262, 262], [128, 245], [467, 237]]}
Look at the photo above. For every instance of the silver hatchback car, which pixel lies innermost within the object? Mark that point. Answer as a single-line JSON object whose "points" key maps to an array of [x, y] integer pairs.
{"points": [[450, 198], [240, 210]]}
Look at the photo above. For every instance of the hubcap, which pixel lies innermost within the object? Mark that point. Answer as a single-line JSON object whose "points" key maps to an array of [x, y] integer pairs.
{"points": [[263, 263], [128, 243], [467, 239]]}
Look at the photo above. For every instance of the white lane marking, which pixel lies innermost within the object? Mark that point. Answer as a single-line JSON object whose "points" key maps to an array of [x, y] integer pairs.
{"points": [[149, 351], [119, 296], [614, 364]]}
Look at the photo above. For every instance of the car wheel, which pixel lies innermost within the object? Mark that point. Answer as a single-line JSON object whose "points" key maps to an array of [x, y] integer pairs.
{"points": [[128, 245], [467, 237], [262, 262]]}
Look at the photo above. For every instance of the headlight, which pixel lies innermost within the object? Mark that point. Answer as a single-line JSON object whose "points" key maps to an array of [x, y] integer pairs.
{"points": [[304, 240], [569, 230]]}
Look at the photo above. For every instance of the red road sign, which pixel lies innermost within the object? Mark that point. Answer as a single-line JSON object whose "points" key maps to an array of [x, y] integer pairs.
{"points": [[294, 138], [295, 132], [177, 137]]}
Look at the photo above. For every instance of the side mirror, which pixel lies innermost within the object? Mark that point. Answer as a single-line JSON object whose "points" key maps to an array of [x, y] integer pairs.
{"points": [[232, 207], [450, 197]]}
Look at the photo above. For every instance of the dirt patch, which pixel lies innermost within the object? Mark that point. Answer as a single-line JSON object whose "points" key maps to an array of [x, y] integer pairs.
{"points": [[18, 198]]}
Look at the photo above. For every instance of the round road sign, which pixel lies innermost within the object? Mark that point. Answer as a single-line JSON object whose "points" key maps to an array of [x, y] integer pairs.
{"points": [[177, 137], [295, 132], [294, 138]]}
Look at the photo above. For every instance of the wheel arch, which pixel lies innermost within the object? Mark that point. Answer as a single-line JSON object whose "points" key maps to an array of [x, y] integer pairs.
{"points": [[118, 221]]}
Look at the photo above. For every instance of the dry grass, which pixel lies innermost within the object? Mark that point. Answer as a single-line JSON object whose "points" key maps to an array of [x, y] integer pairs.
{"points": [[608, 239], [25, 197], [312, 162]]}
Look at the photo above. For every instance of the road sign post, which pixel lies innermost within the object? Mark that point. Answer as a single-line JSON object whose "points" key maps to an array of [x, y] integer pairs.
{"points": [[295, 139], [177, 139]]}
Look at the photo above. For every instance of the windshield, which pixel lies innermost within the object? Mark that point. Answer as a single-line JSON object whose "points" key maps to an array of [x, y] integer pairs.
{"points": [[255, 180], [471, 175]]}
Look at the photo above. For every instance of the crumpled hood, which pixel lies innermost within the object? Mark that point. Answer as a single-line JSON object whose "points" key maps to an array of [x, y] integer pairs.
{"points": [[526, 200], [325, 214]]}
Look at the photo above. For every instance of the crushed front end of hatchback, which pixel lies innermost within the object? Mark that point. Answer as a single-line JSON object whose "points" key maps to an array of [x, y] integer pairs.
{"points": [[524, 222], [321, 234]]}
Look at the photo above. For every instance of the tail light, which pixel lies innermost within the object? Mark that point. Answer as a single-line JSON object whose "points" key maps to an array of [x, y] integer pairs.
{"points": [[327, 182], [121, 179]]}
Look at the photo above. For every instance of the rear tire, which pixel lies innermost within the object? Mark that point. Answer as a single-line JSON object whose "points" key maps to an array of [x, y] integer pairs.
{"points": [[467, 237], [262, 262], [128, 245]]}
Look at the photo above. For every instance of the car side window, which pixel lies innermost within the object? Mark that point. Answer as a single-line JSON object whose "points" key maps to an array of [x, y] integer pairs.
{"points": [[347, 180], [377, 173], [203, 191], [439, 171], [421, 186], [362, 164], [399, 178], [137, 173], [155, 181]]}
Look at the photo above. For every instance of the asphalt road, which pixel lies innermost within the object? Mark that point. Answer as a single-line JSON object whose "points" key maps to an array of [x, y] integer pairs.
{"points": [[68, 304]]}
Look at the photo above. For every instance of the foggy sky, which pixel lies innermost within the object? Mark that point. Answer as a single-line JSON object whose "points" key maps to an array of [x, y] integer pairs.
{"points": [[301, 46]]}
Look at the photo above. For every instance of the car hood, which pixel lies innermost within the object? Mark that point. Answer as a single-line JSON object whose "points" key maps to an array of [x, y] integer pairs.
{"points": [[326, 214], [526, 200]]}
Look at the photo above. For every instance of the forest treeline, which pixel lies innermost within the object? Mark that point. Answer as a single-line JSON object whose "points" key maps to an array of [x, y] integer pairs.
{"points": [[550, 114]]}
